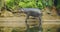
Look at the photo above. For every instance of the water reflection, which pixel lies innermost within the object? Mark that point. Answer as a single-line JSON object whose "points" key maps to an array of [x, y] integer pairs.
{"points": [[34, 29]]}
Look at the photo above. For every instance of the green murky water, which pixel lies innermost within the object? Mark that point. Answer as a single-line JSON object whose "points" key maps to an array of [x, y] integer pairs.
{"points": [[34, 29]]}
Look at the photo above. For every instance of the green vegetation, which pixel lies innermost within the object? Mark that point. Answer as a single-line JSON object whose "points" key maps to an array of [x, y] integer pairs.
{"points": [[29, 3], [58, 4], [24, 3]]}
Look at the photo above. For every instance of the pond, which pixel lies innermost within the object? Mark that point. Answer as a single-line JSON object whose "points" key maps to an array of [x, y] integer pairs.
{"points": [[34, 29]]}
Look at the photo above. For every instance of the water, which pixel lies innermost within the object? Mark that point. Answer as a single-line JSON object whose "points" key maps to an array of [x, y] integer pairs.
{"points": [[34, 29]]}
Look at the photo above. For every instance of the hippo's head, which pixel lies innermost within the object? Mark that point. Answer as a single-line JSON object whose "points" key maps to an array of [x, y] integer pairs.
{"points": [[21, 10]]}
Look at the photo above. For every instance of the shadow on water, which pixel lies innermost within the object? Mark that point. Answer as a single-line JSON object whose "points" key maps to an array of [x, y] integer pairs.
{"points": [[58, 30], [1, 29], [34, 29]]}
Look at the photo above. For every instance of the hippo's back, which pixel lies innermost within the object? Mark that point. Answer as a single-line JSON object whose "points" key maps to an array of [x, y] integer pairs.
{"points": [[32, 9]]}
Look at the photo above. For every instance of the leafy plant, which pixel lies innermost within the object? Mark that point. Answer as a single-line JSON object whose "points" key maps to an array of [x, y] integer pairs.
{"points": [[24, 3]]}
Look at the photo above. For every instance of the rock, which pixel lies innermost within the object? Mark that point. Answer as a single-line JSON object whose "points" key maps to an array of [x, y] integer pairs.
{"points": [[6, 14]]}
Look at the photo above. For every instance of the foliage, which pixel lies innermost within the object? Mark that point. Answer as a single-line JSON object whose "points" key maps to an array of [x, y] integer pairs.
{"points": [[24, 3], [1, 3], [30, 3], [58, 4]]}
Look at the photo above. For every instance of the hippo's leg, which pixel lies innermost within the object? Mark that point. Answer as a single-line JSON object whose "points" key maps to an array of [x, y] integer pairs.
{"points": [[40, 24], [27, 23]]}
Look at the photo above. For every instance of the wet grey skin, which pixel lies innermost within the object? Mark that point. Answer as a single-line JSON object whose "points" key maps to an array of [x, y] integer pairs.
{"points": [[35, 12]]}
